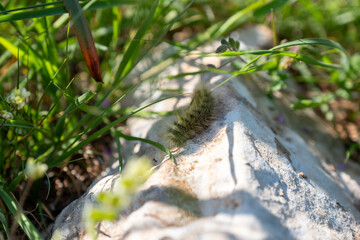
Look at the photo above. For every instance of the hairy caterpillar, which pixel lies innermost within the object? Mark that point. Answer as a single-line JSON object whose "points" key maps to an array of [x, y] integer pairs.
{"points": [[193, 120]]}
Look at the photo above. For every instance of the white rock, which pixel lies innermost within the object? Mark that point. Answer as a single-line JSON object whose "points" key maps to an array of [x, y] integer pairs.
{"points": [[248, 176]]}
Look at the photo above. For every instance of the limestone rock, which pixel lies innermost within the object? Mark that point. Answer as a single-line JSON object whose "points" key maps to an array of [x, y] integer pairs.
{"points": [[250, 175]]}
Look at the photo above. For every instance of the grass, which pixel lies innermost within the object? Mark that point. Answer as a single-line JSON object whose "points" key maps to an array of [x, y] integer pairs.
{"points": [[67, 111]]}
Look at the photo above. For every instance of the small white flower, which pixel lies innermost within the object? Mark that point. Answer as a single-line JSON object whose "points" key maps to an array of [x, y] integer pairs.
{"points": [[25, 93], [18, 97], [35, 170], [6, 115]]}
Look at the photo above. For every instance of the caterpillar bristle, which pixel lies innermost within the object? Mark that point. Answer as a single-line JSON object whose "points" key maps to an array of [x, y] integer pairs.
{"points": [[193, 120]]}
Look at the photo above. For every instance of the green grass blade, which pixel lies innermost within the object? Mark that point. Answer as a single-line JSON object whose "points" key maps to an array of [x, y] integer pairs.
{"points": [[58, 10], [118, 146], [4, 223], [155, 144], [134, 47], [297, 56], [16, 26], [20, 217], [17, 123], [317, 41], [32, 14], [225, 81], [31, 7], [219, 29], [265, 9]]}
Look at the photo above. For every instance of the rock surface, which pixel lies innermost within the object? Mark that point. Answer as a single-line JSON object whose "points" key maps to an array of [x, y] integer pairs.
{"points": [[260, 171]]}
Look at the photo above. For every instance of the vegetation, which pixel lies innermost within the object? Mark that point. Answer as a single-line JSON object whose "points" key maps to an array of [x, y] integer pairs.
{"points": [[52, 112]]}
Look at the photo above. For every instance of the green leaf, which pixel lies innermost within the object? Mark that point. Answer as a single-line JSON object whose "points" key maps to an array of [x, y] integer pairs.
{"points": [[224, 42], [233, 44], [222, 48], [20, 217]]}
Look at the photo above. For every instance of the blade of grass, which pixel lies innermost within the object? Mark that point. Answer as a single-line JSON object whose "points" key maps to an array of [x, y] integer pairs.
{"points": [[219, 29], [118, 146], [155, 144], [4, 223], [19, 29], [134, 46], [115, 26], [266, 8], [297, 56], [31, 7], [20, 217], [58, 10], [317, 41], [17, 123]]}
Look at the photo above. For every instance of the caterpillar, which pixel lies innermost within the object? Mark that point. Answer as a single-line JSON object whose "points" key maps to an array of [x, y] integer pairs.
{"points": [[193, 120]]}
